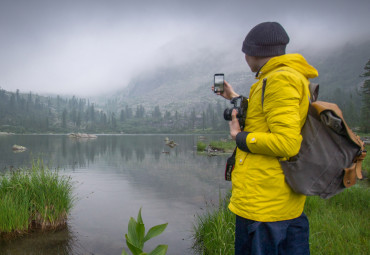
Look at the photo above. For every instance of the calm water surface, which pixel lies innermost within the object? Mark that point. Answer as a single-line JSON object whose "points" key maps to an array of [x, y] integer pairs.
{"points": [[115, 176]]}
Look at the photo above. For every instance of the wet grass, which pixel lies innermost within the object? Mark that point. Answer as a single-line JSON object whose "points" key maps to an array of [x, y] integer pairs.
{"points": [[339, 225], [214, 230], [34, 198]]}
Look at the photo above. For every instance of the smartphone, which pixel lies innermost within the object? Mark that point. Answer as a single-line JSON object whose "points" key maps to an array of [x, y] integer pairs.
{"points": [[219, 82]]}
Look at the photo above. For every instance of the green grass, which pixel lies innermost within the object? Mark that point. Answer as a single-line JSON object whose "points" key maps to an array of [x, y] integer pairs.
{"points": [[201, 146], [214, 231], [33, 198], [339, 225]]}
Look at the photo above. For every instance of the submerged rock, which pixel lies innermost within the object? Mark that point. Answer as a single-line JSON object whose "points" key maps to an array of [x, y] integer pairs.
{"points": [[82, 135], [18, 148], [170, 143], [6, 133], [213, 151]]}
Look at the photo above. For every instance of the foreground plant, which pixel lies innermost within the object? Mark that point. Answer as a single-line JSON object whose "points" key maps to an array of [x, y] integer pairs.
{"points": [[136, 237]]}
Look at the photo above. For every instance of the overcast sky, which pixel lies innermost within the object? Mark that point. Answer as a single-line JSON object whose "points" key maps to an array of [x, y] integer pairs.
{"points": [[83, 47]]}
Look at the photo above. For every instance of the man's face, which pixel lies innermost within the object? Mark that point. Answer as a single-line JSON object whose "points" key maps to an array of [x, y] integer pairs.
{"points": [[252, 63]]}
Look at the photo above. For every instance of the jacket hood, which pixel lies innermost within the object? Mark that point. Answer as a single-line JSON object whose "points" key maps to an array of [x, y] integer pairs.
{"points": [[295, 61]]}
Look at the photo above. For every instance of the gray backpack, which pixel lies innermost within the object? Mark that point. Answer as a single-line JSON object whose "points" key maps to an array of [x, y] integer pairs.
{"points": [[330, 156]]}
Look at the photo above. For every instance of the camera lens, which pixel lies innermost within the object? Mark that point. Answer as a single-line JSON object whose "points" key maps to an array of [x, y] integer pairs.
{"points": [[227, 114]]}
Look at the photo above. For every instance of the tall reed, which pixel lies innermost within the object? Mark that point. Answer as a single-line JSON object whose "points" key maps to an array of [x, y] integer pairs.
{"points": [[34, 198]]}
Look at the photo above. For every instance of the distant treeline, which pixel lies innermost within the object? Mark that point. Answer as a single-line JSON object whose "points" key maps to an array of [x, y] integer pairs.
{"points": [[29, 113]]}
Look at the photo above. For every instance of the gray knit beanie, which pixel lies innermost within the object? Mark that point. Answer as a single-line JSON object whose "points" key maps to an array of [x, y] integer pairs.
{"points": [[266, 40]]}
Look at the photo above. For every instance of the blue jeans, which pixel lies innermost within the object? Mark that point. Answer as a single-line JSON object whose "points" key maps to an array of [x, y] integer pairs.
{"points": [[288, 237]]}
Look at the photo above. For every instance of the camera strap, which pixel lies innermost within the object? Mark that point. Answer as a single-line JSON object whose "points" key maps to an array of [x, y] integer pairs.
{"points": [[230, 164]]}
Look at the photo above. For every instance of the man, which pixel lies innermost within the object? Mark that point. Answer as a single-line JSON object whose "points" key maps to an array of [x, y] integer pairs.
{"points": [[269, 214]]}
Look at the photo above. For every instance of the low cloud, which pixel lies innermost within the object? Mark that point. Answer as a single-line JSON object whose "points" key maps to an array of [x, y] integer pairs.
{"points": [[88, 47]]}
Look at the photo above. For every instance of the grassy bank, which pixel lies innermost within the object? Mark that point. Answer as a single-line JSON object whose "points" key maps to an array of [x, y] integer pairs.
{"points": [[339, 225], [34, 198]]}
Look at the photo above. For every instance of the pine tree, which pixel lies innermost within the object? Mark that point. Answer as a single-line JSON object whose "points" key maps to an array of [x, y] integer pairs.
{"points": [[365, 89], [157, 112], [122, 115], [64, 118]]}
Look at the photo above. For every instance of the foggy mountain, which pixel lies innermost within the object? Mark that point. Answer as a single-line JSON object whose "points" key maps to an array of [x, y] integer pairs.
{"points": [[183, 87], [177, 96]]}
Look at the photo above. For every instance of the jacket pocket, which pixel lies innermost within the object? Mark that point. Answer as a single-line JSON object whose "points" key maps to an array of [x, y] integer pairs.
{"points": [[240, 157]]}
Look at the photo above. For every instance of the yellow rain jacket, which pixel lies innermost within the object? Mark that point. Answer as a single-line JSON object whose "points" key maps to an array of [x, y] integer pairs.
{"points": [[259, 191]]}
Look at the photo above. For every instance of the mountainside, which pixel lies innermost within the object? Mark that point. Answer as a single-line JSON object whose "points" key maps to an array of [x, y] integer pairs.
{"points": [[188, 86], [341, 69], [185, 86]]}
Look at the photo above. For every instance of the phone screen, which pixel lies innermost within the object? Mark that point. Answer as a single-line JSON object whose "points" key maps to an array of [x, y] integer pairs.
{"points": [[219, 82]]}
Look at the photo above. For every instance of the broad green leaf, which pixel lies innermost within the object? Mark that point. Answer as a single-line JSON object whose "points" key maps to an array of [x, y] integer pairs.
{"points": [[159, 250], [134, 249], [154, 231], [132, 232], [140, 231], [139, 218], [124, 252]]}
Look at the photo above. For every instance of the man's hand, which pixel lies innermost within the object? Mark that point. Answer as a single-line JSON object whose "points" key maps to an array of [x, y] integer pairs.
{"points": [[234, 125], [228, 92]]}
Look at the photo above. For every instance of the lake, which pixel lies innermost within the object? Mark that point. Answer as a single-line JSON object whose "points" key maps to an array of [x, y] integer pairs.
{"points": [[114, 176]]}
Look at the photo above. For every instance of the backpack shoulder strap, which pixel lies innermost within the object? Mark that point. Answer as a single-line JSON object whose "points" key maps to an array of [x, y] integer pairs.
{"points": [[263, 90], [314, 91]]}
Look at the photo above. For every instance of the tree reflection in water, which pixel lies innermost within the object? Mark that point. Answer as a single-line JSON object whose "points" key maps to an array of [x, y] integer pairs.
{"points": [[115, 176]]}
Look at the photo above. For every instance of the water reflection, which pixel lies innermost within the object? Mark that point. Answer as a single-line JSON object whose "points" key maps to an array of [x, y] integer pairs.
{"points": [[59, 242], [115, 176]]}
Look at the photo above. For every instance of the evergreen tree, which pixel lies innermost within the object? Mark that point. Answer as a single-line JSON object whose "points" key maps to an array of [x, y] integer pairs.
{"points": [[122, 116], [140, 111], [157, 113], [114, 121], [192, 119], [64, 118], [128, 112]]}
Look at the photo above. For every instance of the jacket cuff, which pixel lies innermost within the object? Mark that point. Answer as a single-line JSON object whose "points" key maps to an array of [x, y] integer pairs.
{"points": [[241, 141]]}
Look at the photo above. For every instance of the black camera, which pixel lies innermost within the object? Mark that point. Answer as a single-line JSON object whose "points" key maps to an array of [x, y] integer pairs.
{"points": [[241, 105]]}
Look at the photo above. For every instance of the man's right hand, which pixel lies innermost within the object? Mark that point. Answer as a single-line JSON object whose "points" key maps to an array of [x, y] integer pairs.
{"points": [[234, 125], [228, 92]]}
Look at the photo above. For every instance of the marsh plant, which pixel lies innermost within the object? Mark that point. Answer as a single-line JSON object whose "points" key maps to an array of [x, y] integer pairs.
{"points": [[33, 198], [136, 237]]}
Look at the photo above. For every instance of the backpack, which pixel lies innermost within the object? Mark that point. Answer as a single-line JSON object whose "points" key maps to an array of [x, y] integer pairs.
{"points": [[331, 154]]}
